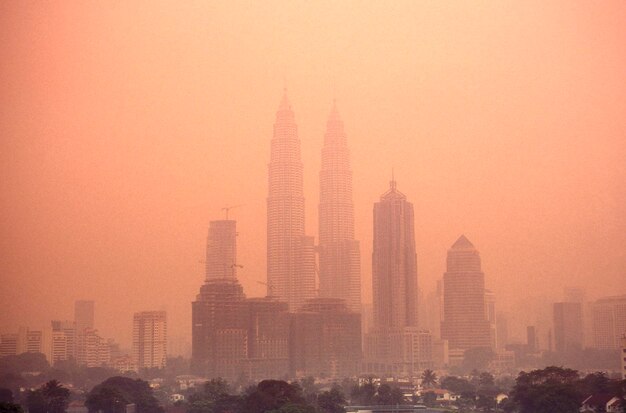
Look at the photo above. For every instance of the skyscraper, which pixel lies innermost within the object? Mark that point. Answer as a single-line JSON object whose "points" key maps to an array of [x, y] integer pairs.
{"points": [[221, 250], [394, 262], [464, 324], [339, 255], [290, 254], [149, 339], [609, 322], [568, 327], [391, 344], [84, 324], [83, 315]]}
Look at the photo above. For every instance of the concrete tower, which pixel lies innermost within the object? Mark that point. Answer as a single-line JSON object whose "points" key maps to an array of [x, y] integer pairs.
{"points": [[221, 250], [464, 324], [339, 254], [290, 254], [394, 262]]}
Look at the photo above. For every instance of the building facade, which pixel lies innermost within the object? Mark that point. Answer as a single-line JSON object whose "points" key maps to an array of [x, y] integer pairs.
{"points": [[395, 345], [221, 250], [464, 324], [568, 327], [609, 322], [149, 339], [339, 253], [325, 340], [290, 253]]}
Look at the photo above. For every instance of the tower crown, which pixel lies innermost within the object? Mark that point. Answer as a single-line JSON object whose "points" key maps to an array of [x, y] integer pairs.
{"points": [[462, 243]]}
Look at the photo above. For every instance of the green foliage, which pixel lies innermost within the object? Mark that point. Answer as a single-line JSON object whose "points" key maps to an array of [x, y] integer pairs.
{"points": [[8, 407], [551, 390], [363, 394], [388, 395], [477, 358], [25, 362], [272, 395], [331, 401], [429, 378], [49, 398], [458, 386], [294, 408], [117, 391]]}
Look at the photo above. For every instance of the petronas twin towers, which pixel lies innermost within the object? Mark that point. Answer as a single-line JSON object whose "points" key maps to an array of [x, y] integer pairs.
{"points": [[291, 264]]}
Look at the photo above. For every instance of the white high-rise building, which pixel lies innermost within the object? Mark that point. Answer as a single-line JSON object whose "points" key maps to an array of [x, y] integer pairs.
{"points": [[339, 253], [290, 253], [149, 339]]}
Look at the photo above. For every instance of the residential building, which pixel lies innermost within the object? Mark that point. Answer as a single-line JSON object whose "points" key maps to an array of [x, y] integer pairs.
{"points": [[149, 339]]}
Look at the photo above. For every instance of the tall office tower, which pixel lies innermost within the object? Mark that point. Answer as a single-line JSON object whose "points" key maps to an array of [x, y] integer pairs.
{"points": [[84, 323], [394, 280], [219, 331], [290, 254], [502, 329], [568, 327], [394, 262], [531, 339], [339, 253], [490, 314], [83, 315], [149, 339], [623, 340], [221, 250], [609, 322], [464, 322]]}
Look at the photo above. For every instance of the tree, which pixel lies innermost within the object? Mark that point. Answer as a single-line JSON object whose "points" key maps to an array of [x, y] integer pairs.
{"points": [[550, 390], [8, 407], [56, 397], [458, 385], [477, 358], [117, 391], [24, 362], [429, 378], [49, 398], [388, 395], [271, 395], [486, 379], [332, 401], [215, 389], [363, 394]]}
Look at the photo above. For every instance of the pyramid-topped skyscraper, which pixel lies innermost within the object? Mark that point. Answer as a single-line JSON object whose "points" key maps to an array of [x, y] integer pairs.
{"points": [[339, 255], [465, 323], [290, 253]]}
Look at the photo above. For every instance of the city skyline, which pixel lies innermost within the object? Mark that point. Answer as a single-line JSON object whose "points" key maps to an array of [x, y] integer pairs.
{"points": [[501, 122]]}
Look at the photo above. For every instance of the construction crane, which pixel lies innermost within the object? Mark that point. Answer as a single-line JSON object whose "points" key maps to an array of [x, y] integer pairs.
{"points": [[228, 208], [269, 288]]}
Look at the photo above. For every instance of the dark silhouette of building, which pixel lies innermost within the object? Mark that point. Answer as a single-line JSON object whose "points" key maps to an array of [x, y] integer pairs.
{"points": [[568, 327], [395, 344], [464, 324]]}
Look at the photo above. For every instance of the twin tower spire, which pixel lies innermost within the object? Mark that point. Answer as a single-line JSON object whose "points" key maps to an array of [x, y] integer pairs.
{"points": [[291, 264]]}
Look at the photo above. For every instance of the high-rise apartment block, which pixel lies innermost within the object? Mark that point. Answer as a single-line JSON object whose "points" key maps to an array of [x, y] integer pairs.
{"points": [[150, 339], [609, 322], [464, 324], [339, 253], [290, 253]]}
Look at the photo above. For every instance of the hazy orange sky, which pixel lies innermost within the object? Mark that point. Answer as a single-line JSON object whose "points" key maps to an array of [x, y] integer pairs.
{"points": [[125, 127]]}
